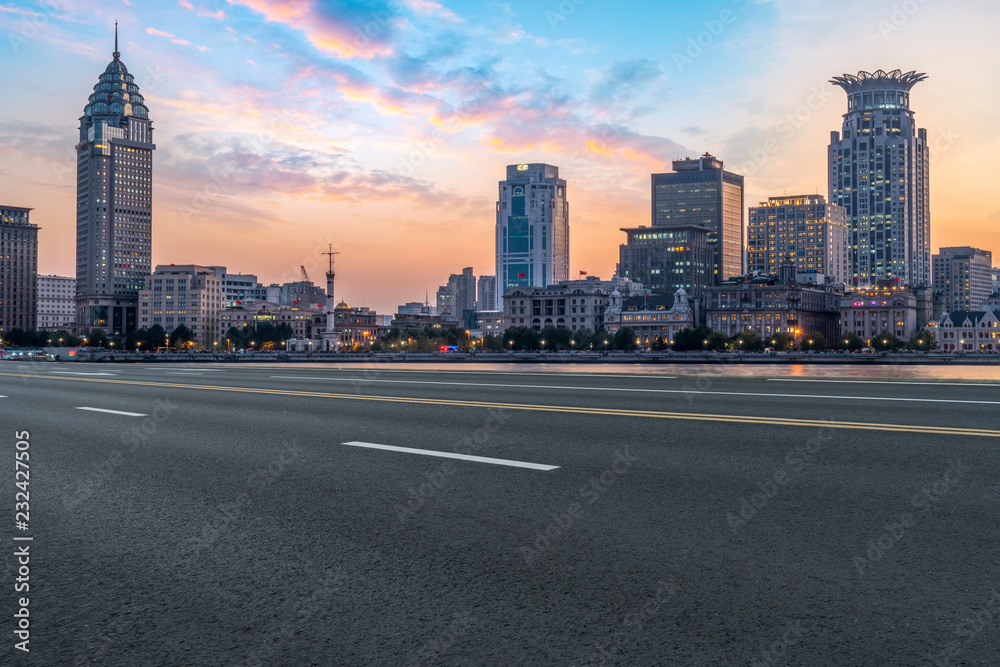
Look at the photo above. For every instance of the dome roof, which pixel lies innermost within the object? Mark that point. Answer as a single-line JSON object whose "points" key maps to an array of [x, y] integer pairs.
{"points": [[342, 304], [116, 93]]}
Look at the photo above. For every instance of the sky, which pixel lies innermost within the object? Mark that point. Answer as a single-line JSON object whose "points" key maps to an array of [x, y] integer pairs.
{"points": [[383, 126]]}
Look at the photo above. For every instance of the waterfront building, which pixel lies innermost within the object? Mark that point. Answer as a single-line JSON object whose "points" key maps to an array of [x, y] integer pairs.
{"points": [[885, 308], [804, 227], [186, 294], [574, 304], [18, 270], [666, 259], [964, 276], [651, 317], [114, 208], [700, 192], [879, 171], [56, 303], [969, 331], [532, 229]]}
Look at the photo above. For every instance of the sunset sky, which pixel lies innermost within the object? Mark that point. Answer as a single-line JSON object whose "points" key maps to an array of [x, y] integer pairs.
{"points": [[383, 126]]}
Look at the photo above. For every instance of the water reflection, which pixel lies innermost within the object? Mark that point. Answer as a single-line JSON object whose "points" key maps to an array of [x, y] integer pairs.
{"points": [[869, 371]]}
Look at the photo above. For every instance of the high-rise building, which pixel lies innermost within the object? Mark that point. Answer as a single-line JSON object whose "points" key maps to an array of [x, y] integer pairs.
{"points": [[56, 303], [114, 202], [19, 270], [805, 228], [532, 232], [878, 171], [458, 295], [995, 273], [700, 192], [665, 260], [183, 294], [964, 276], [486, 294]]}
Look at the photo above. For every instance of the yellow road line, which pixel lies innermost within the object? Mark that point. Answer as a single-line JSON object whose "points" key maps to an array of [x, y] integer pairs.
{"points": [[607, 412]]}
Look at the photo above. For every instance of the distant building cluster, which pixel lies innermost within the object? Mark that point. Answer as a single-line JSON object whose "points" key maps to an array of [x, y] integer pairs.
{"points": [[856, 262]]}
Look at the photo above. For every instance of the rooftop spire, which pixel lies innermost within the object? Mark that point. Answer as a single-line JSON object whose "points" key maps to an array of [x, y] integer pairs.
{"points": [[116, 54]]}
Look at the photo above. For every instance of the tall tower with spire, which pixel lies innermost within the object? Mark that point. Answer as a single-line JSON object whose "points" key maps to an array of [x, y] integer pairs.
{"points": [[114, 203]]}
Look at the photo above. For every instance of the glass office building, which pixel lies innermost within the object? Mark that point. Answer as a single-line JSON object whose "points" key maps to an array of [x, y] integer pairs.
{"points": [[532, 231], [700, 192]]}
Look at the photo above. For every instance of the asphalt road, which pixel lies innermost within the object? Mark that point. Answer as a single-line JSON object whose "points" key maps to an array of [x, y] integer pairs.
{"points": [[616, 519]]}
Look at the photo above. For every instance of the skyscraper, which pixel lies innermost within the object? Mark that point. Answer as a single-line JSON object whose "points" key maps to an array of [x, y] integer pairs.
{"points": [[532, 233], [878, 171], [701, 192], [804, 227], [114, 202], [18, 270], [486, 294], [964, 275]]}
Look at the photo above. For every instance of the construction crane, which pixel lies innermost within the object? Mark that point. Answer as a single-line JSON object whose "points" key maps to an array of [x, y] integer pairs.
{"points": [[305, 276]]}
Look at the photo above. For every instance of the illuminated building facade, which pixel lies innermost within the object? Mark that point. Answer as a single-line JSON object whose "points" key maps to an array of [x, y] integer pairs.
{"points": [[532, 230], [766, 306], [114, 202], [665, 260], [700, 192], [878, 171], [807, 229], [879, 310], [650, 317], [188, 294], [964, 276]]}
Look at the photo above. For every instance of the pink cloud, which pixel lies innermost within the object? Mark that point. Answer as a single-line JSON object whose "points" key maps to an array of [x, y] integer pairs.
{"points": [[336, 36]]}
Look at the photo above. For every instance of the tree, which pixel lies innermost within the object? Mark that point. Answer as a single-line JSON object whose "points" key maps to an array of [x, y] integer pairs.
{"points": [[850, 341], [781, 341], [886, 342], [133, 341], [716, 342], [813, 341], [602, 339], [492, 343], [692, 339], [154, 338], [748, 341], [659, 345], [181, 335], [521, 338], [625, 339], [922, 341], [582, 338], [97, 338]]}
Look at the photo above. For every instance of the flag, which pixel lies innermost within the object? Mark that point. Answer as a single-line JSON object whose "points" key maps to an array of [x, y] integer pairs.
{"points": [[583, 273], [522, 275], [239, 303]]}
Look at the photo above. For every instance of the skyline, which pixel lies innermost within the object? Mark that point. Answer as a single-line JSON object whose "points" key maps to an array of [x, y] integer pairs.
{"points": [[319, 127]]}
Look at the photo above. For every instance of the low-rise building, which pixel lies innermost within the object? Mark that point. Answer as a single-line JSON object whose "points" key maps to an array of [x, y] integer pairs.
{"points": [[651, 317], [186, 294], [768, 306], [879, 310], [305, 323], [56, 303], [357, 327], [574, 304], [969, 331]]}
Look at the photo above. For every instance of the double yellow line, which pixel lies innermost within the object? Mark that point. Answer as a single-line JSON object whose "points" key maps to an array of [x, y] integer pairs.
{"points": [[603, 412]]}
